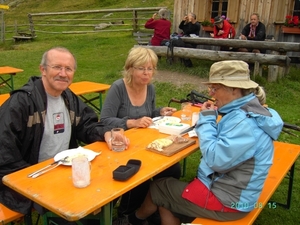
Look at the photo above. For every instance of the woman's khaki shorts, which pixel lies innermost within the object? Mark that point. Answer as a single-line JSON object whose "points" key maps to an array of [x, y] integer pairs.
{"points": [[166, 192]]}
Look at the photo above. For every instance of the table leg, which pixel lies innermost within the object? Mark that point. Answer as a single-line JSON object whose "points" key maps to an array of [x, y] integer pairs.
{"points": [[12, 81], [100, 101], [106, 214], [6, 82], [89, 101]]}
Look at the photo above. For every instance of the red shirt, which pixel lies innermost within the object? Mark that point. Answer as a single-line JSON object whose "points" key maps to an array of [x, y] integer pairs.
{"points": [[226, 28], [161, 30]]}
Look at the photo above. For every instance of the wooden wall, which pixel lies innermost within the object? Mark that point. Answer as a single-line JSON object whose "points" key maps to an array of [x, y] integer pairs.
{"points": [[239, 11]]}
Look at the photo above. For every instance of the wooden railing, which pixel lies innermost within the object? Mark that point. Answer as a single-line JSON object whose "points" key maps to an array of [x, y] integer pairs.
{"points": [[85, 21]]}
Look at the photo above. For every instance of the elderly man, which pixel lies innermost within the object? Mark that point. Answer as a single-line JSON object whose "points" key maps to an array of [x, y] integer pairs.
{"points": [[43, 118], [237, 153], [254, 31]]}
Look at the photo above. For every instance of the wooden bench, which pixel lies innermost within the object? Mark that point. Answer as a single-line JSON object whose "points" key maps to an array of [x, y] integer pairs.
{"points": [[7, 216], [21, 35], [285, 156], [3, 98], [142, 38]]}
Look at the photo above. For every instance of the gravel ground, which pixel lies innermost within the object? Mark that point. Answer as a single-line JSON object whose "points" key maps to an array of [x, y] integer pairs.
{"points": [[180, 79]]}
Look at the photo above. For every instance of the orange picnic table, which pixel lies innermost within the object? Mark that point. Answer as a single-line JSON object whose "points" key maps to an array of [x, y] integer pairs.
{"points": [[7, 70], [3, 98], [54, 190], [82, 88]]}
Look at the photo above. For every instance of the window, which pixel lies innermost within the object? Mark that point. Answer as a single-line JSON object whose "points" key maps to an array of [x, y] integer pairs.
{"points": [[219, 7], [296, 11]]}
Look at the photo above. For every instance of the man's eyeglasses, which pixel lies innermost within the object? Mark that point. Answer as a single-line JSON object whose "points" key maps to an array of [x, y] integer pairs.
{"points": [[68, 69], [142, 69], [213, 89]]}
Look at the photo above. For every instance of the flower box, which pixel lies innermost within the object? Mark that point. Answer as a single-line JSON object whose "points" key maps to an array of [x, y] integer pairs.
{"points": [[290, 30], [208, 28]]}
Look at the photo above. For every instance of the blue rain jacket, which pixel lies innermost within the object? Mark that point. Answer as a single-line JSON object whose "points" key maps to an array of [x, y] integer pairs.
{"points": [[237, 151]]}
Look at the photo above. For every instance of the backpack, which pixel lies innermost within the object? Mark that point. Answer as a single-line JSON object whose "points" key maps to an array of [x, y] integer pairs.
{"points": [[176, 41]]}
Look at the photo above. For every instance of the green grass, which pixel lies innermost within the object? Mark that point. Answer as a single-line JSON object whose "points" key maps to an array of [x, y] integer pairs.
{"points": [[101, 57]]}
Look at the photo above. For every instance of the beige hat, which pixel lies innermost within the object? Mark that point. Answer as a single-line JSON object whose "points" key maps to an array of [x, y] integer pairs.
{"points": [[231, 73]]}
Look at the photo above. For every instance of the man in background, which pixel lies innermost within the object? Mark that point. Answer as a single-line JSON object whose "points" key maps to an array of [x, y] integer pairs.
{"points": [[254, 31]]}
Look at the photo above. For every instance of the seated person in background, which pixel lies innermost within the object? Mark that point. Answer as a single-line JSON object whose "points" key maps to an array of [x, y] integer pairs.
{"points": [[237, 153], [161, 27], [189, 25], [254, 31], [43, 118], [130, 103], [222, 29]]}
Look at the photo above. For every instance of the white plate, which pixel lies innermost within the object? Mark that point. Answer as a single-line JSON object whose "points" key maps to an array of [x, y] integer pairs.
{"points": [[169, 119], [72, 153]]}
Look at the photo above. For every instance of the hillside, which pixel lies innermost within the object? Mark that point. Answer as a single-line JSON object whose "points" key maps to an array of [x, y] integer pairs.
{"points": [[19, 9]]}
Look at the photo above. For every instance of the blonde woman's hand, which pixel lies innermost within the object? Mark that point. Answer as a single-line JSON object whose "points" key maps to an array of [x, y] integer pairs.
{"points": [[143, 122], [167, 111]]}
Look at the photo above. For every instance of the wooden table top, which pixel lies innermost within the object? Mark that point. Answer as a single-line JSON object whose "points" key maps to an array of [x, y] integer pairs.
{"points": [[54, 190], [86, 87], [9, 70]]}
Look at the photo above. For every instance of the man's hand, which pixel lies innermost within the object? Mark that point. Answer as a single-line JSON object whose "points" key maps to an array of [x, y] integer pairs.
{"points": [[107, 137], [243, 37]]}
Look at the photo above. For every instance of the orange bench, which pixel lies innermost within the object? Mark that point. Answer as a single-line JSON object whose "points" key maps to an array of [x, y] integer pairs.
{"points": [[7, 215], [285, 156]]}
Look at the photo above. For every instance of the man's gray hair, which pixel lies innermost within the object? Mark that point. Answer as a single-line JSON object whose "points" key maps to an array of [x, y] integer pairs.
{"points": [[61, 49]]}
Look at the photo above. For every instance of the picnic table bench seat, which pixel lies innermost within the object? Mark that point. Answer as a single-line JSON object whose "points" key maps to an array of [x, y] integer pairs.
{"points": [[285, 156], [7, 216]]}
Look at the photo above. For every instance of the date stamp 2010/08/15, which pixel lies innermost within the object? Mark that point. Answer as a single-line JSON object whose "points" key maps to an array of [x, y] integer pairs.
{"points": [[246, 205]]}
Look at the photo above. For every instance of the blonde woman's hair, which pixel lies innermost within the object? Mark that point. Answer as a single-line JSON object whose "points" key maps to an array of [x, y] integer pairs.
{"points": [[138, 56], [259, 93]]}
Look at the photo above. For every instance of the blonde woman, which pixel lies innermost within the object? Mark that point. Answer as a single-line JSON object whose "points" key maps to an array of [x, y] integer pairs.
{"points": [[130, 103]]}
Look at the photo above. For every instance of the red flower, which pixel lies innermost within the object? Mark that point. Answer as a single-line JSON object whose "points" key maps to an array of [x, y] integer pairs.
{"points": [[291, 21], [296, 20]]}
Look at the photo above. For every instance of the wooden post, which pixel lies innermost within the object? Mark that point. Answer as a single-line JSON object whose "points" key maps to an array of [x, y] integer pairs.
{"points": [[31, 26], [135, 21], [257, 69]]}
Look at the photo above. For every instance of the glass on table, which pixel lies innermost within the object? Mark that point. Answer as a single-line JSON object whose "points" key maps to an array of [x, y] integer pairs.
{"points": [[81, 171], [186, 112]]}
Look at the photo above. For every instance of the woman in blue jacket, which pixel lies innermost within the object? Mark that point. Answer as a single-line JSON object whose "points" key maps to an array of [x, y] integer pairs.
{"points": [[237, 153]]}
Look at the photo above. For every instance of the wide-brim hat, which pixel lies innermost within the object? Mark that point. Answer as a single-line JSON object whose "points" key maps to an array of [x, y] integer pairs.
{"points": [[218, 19], [231, 73]]}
